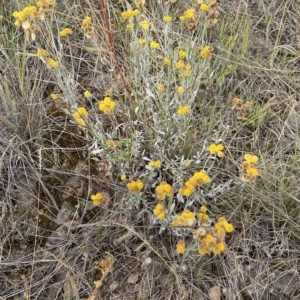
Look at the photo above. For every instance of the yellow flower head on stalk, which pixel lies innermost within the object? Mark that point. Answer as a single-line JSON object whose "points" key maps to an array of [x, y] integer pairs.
{"points": [[180, 90], [163, 190], [206, 52], [86, 23], [135, 186], [66, 32], [187, 218], [42, 53], [129, 14], [107, 105], [79, 116], [160, 87], [216, 149], [155, 164], [189, 15], [180, 247], [183, 110], [167, 61], [123, 177], [159, 211], [54, 97], [96, 199], [182, 54], [142, 42], [251, 159], [44, 4], [53, 63], [112, 144], [154, 45], [145, 24], [167, 19], [87, 94], [204, 7], [130, 26]]}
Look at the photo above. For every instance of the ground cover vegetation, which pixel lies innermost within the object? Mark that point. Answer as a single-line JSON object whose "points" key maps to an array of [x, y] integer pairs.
{"points": [[149, 149]]}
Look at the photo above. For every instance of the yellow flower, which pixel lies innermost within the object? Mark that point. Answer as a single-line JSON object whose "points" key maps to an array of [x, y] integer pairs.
{"points": [[154, 45], [145, 24], [209, 239], [204, 7], [96, 199], [189, 15], [206, 52], [159, 211], [252, 159], [79, 114], [112, 144], [160, 87], [182, 54], [135, 186], [167, 19], [183, 110], [167, 61], [228, 227], [87, 94], [203, 217], [203, 251], [106, 105], [129, 13], [142, 42], [41, 53], [203, 209], [44, 4], [180, 247], [123, 177], [54, 96], [86, 23], [216, 149], [130, 26], [180, 90], [155, 164], [163, 190], [66, 32], [53, 63], [187, 218], [200, 178]]}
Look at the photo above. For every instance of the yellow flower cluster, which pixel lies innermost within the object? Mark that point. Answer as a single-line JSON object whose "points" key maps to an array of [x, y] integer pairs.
{"points": [[190, 18], [154, 45], [160, 87], [135, 186], [250, 172], [159, 211], [66, 32], [87, 94], [180, 247], [26, 18], [145, 24], [167, 61], [79, 116], [167, 19], [96, 199], [163, 190], [216, 149], [107, 105], [182, 54], [155, 164], [198, 179], [212, 239], [211, 8], [129, 14], [44, 56], [183, 110], [45, 4], [88, 27], [112, 144], [242, 108], [187, 218], [184, 68], [206, 52]]}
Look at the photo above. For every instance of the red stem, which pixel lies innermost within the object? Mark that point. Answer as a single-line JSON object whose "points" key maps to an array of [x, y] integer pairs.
{"points": [[112, 46]]}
